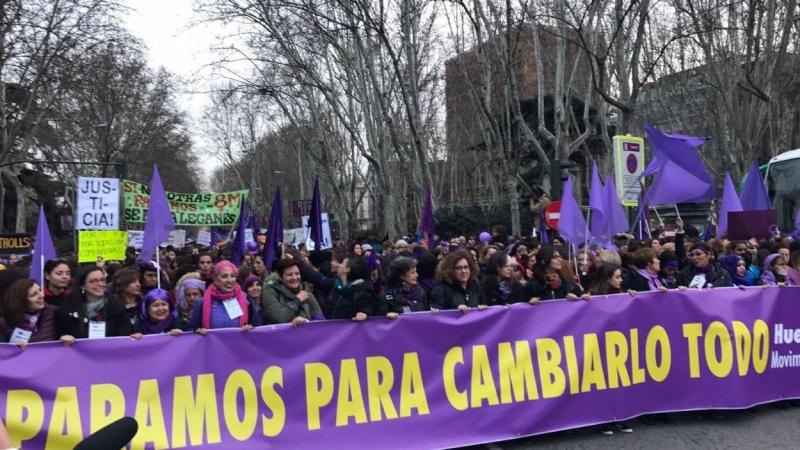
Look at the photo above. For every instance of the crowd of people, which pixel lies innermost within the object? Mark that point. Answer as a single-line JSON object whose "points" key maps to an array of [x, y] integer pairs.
{"points": [[197, 290]]}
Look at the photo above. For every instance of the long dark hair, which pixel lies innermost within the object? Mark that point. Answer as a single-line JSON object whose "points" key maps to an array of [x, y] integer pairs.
{"points": [[601, 284], [15, 300], [493, 266], [543, 258]]}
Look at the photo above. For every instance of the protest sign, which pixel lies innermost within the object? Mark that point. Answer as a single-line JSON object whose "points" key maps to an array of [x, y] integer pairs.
{"points": [[294, 236], [204, 238], [628, 167], [135, 239], [108, 244], [98, 204], [15, 244], [177, 239], [327, 242], [502, 373], [193, 209]]}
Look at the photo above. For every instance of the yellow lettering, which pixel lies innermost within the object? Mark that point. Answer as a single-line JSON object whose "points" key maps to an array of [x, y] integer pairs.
{"points": [[616, 359], [516, 372], [692, 332], [637, 373], [319, 391], [744, 346], [458, 399], [657, 337], [24, 415], [107, 405], [195, 410], [760, 346], [548, 355], [572, 365], [272, 377], [721, 366], [592, 364], [240, 428], [65, 429], [412, 389], [380, 379], [482, 386], [350, 401], [150, 417]]}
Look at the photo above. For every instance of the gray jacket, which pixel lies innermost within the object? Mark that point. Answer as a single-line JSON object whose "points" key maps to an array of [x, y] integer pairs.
{"points": [[280, 305]]}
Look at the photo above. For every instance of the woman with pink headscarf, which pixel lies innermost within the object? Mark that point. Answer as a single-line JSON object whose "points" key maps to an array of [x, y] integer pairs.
{"points": [[224, 303]]}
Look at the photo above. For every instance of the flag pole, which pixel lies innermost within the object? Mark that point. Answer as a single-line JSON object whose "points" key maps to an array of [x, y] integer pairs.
{"points": [[588, 218], [158, 268], [676, 211], [41, 271]]}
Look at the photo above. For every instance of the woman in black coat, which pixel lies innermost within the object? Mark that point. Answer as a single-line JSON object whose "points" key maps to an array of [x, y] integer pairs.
{"points": [[403, 291], [549, 282], [89, 312], [358, 300], [499, 286], [458, 286]]}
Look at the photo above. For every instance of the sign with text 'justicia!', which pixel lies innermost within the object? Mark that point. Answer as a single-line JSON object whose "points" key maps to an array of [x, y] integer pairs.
{"points": [[192, 209], [420, 381]]}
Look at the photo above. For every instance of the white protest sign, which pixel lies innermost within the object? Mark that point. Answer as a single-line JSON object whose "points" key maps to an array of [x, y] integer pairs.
{"points": [[98, 204], [177, 239], [327, 242], [135, 239], [204, 238], [293, 236], [248, 236]]}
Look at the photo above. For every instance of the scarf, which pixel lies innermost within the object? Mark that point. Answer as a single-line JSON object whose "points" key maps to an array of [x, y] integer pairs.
{"points": [[29, 321], [150, 327], [652, 280], [213, 294], [427, 283], [93, 308], [503, 291], [411, 295]]}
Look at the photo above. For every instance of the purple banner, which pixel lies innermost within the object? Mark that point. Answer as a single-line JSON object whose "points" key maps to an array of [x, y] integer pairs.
{"points": [[421, 381]]}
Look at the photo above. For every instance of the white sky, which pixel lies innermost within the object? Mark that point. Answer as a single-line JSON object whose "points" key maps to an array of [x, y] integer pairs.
{"points": [[177, 40]]}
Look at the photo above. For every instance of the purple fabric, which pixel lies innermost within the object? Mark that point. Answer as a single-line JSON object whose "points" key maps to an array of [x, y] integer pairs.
{"points": [[641, 220], [754, 195], [679, 172], [616, 219], [43, 249], [154, 328], [730, 203], [286, 366], [652, 280], [274, 231], [159, 222], [571, 224], [315, 217], [239, 246], [598, 222], [426, 225]]}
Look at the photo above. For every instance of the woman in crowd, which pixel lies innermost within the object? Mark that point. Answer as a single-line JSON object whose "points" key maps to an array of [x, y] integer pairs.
{"points": [[608, 280], [737, 268], [253, 287], [128, 291], [669, 269], [586, 268], [793, 270], [259, 269], [190, 289], [426, 271], [285, 301], [57, 281], [89, 312], [646, 270], [357, 301], [356, 249], [498, 286], [25, 315], [224, 303], [550, 282], [403, 293], [703, 272], [158, 315], [774, 273], [458, 286]]}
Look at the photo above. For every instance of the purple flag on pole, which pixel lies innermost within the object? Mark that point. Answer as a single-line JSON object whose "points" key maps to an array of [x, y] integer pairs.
{"points": [[679, 172], [597, 204], [641, 220], [43, 249], [239, 246], [615, 217], [754, 195], [730, 203], [315, 217], [159, 222], [426, 220], [571, 224], [274, 231]]}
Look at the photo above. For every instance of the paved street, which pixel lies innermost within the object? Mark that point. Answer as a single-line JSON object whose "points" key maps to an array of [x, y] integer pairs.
{"points": [[764, 427]]}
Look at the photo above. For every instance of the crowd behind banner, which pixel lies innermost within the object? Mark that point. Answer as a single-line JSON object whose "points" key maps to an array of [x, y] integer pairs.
{"points": [[201, 289]]}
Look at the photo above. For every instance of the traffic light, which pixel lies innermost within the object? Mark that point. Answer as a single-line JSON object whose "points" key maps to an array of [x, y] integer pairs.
{"points": [[559, 172]]}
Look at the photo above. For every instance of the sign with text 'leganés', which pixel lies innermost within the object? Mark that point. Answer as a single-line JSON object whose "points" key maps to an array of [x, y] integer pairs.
{"points": [[188, 209]]}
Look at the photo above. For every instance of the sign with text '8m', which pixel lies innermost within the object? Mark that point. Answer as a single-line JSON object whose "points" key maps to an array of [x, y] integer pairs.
{"points": [[191, 210], [420, 381]]}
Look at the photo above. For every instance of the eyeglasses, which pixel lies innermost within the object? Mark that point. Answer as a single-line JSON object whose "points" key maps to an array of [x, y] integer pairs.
{"points": [[458, 268]]}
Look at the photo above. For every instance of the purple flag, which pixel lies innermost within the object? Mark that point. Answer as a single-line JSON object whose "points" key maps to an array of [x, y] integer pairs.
{"points": [[43, 249], [615, 217], [641, 220], [797, 220], [679, 172], [598, 207], [274, 231], [315, 218], [754, 195], [159, 222], [239, 246], [730, 203], [571, 224], [426, 220]]}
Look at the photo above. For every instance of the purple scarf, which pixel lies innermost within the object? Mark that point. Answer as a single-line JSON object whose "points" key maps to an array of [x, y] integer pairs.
{"points": [[652, 280]]}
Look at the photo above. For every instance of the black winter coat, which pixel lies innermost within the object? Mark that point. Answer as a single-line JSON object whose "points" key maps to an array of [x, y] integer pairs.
{"points": [[536, 288], [449, 296], [358, 297], [719, 277], [398, 300], [71, 319]]}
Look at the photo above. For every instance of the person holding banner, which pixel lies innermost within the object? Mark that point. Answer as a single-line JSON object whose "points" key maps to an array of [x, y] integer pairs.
{"points": [[646, 270], [403, 292], [190, 289], [26, 317], [703, 272], [205, 264], [549, 281], [774, 273], [128, 291], [285, 301], [357, 300], [458, 286], [89, 313], [57, 280], [158, 315], [498, 284], [224, 303]]}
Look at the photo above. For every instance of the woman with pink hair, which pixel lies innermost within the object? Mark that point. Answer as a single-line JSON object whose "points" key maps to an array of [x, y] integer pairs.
{"points": [[224, 303]]}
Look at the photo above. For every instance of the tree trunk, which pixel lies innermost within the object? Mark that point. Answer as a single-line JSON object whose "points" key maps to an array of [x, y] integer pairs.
{"points": [[513, 199]]}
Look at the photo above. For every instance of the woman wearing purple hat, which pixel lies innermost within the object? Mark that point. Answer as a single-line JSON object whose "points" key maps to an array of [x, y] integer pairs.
{"points": [[775, 271], [737, 267], [159, 315]]}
